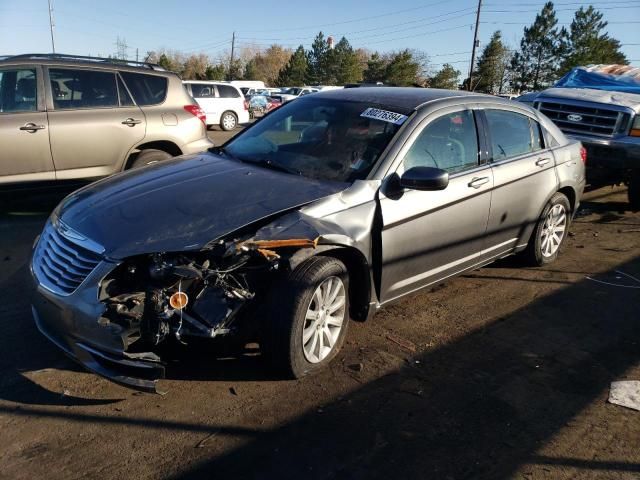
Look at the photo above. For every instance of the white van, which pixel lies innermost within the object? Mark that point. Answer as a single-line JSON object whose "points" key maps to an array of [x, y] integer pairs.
{"points": [[223, 103]]}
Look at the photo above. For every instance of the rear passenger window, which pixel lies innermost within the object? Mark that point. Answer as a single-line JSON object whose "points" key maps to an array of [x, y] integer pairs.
{"points": [[146, 89], [227, 91], [202, 90], [17, 90], [82, 88], [449, 142], [511, 134]]}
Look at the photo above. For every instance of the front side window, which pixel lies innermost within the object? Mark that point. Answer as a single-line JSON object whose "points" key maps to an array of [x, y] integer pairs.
{"points": [[203, 90], [82, 88], [511, 134], [146, 89], [227, 91], [18, 91], [320, 138], [450, 143]]}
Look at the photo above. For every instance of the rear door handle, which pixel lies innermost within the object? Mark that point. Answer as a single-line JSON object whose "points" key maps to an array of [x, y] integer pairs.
{"points": [[541, 162], [32, 127], [131, 122], [478, 182]]}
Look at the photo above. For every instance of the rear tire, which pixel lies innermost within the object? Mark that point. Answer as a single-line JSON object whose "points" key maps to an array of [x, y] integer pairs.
{"points": [[228, 121], [308, 317], [550, 232], [634, 191], [149, 156]]}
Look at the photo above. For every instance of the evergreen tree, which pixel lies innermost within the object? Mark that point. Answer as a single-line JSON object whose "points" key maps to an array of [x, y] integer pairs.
{"points": [[317, 61], [585, 42], [403, 69], [447, 77], [215, 72], [250, 71], [295, 72], [376, 69], [346, 64], [535, 66], [489, 75]]}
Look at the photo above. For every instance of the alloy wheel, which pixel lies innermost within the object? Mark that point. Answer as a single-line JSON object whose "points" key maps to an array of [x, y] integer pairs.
{"points": [[324, 319], [553, 230]]}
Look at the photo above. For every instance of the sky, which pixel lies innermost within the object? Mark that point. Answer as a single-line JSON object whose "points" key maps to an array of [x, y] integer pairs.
{"points": [[441, 28]]}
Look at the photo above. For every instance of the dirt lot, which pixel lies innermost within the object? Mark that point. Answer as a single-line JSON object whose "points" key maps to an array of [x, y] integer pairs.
{"points": [[503, 373]]}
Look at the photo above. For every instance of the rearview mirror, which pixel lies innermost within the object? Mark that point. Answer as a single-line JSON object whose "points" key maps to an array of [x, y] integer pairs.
{"points": [[425, 178]]}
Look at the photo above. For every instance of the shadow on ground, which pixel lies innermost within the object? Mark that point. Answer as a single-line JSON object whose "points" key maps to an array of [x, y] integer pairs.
{"points": [[476, 408]]}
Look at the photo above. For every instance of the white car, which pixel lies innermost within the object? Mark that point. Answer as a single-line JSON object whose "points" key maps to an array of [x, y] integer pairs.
{"points": [[292, 93], [223, 103]]}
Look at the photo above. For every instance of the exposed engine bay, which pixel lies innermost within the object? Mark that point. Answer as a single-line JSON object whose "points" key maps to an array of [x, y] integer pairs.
{"points": [[151, 299]]}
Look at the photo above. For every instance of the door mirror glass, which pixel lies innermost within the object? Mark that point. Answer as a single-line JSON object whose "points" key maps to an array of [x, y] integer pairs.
{"points": [[425, 178]]}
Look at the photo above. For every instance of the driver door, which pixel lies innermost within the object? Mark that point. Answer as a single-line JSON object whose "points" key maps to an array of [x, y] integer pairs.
{"points": [[430, 235]]}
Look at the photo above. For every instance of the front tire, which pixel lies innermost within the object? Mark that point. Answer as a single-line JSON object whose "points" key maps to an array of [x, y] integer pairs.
{"points": [[550, 232], [228, 121], [309, 315]]}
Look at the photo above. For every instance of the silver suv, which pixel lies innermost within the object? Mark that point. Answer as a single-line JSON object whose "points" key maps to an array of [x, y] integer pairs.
{"points": [[67, 117]]}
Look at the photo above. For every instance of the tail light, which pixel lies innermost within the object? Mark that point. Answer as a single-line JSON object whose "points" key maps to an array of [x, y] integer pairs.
{"points": [[246, 105], [583, 155], [196, 111]]}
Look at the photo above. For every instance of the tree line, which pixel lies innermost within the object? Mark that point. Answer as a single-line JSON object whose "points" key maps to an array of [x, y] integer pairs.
{"points": [[546, 52]]}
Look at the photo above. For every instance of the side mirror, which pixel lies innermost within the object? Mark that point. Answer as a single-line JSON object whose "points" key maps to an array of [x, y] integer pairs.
{"points": [[425, 178]]}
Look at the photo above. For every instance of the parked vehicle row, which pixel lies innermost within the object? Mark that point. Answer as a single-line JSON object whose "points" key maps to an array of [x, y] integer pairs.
{"points": [[329, 208], [68, 117]]}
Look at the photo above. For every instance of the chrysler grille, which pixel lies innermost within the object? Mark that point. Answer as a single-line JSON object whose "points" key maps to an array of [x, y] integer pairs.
{"points": [[62, 261], [580, 119]]}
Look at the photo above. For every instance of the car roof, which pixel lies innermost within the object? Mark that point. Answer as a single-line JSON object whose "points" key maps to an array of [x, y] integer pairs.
{"points": [[407, 98], [81, 61]]}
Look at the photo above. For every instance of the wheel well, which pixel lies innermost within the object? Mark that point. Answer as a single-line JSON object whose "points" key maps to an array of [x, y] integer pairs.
{"points": [[570, 194], [164, 145], [359, 280]]}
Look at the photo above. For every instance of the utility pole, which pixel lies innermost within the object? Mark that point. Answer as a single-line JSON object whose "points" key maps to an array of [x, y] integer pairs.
{"points": [[136, 55], [51, 25], [233, 47], [475, 45]]}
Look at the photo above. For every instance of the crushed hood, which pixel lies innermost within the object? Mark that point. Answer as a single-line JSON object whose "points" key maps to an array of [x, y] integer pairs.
{"points": [[183, 204], [630, 100]]}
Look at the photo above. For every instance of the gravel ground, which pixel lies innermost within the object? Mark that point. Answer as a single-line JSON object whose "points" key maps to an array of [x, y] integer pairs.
{"points": [[501, 373]]}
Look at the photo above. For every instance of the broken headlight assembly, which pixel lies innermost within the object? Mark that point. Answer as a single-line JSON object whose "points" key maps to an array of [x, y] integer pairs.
{"points": [[151, 298]]}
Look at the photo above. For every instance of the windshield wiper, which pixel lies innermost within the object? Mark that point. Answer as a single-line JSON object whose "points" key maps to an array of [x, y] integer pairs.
{"points": [[263, 162]]}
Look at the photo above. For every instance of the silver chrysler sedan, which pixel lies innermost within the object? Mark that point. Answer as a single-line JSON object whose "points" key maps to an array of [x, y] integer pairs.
{"points": [[327, 209]]}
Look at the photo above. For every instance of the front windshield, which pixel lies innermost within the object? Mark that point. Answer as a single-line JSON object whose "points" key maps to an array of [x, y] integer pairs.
{"points": [[320, 138], [292, 91]]}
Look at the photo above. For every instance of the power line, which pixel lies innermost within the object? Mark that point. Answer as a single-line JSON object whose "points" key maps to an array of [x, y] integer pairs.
{"points": [[377, 29], [309, 27]]}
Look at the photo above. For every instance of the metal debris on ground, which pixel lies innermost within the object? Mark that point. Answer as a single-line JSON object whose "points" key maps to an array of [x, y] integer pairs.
{"points": [[626, 394], [403, 342], [203, 442]]}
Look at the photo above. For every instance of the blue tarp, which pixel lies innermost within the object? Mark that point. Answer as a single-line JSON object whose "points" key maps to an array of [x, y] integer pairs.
{"points": [[581, 78]]}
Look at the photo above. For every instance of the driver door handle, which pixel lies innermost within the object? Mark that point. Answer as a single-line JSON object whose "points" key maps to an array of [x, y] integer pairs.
{"points": [[477, 182], [541, 162], [131, 122], [32, 127]]}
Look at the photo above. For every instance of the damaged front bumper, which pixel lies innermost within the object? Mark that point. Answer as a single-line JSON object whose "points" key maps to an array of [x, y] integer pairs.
{"points": [[72, 323]]}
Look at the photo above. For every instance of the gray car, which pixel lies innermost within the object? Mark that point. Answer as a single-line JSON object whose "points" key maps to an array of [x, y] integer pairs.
{"points": [[326, 209], [66, 117]]}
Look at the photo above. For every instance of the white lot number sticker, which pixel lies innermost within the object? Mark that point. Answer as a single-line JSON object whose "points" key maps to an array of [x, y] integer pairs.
{"points": [[384, 115]]}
